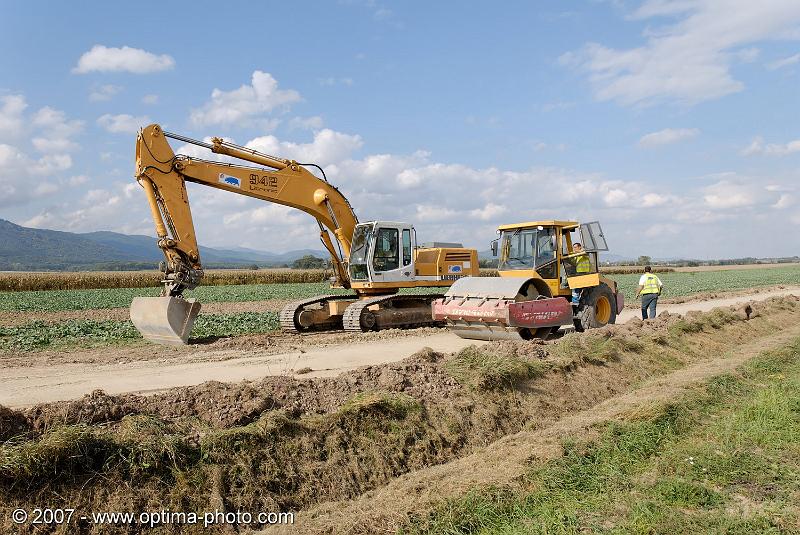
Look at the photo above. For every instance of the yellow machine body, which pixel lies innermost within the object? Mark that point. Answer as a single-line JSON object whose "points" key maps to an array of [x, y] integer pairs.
{"points": [[544, 283], [387, 255]]}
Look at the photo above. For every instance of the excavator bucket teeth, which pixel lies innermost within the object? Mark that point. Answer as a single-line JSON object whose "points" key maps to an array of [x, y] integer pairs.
{"points": [[164, 320]]}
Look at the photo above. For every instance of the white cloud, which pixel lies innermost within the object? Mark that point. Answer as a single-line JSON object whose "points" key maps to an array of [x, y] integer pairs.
{"points": [[432, 213], [650, 200], [48, 131], [660, 230], [23, 178], [748, 55], [616, 198], [688, 61], [104, 92], [55, 131], [784, 201], [98, 208], [44, 189], [123, 123], [667, 136], [150, 99], [332, 81], [489, 212], [757, 146], [445, 201], [244, 104], [12, 108], [727, 194], [306, 123], [126, 59], [783, 62], [327, 147]]}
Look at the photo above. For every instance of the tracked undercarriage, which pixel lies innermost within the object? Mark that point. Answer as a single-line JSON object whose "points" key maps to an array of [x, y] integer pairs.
{"points": [[349, 313]]}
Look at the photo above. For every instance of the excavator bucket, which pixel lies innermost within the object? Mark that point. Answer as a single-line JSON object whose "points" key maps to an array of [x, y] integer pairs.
{"points": [[164, 320], [497, 308]]}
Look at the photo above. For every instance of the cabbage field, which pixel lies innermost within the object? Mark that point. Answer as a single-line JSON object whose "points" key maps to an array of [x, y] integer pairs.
{"points": [[91, 331], [676, 284]]}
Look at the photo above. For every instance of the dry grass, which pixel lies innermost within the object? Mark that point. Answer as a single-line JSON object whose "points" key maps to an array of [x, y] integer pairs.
{"points": [[489, 368]]}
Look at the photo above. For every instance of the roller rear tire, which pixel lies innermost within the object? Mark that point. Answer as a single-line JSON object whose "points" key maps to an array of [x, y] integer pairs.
{"points": [[598, 308]]}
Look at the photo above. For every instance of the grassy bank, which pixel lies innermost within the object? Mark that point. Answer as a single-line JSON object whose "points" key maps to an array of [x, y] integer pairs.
{"points": [[288, 444], [725, 460]]}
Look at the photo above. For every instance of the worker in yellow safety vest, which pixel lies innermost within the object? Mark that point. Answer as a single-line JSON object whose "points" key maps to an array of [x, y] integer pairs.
{"points": [[649, 288], [583, 266], [582, 263]]}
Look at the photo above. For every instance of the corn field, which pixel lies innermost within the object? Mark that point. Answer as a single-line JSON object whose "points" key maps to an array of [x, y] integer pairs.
{"points": [[23, 281], [92, 280]]}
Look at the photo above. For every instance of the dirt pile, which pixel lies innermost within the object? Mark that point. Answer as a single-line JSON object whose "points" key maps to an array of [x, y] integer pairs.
{"points": [[289, 443], [223, 405]]}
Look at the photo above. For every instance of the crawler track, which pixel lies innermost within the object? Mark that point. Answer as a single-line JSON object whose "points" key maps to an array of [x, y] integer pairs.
{"points": [[356, 317], [288, 314]]}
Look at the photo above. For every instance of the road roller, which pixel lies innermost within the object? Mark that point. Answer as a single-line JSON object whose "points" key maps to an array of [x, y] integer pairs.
{"points": [[549, 277]]}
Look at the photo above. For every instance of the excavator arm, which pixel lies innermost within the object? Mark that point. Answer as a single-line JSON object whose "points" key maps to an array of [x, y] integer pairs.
{"points": [[163, 175]]}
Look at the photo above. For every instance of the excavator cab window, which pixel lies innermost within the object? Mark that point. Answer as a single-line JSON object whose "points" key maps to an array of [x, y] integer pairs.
{"points": [[406, 247], [386, 257], [362, 236]]}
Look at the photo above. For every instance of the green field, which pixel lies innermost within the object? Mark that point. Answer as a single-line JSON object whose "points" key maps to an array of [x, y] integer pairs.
{"points": [[687, 283], [39, 334], [87, 333], [725, 460], [675, 284], [52, 300]]}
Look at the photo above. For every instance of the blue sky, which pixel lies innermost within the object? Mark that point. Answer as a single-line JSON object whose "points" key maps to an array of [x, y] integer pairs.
{"points": [[673, 122]]}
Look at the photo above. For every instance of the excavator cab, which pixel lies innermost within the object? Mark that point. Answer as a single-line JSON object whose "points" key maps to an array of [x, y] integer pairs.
{"points": [[382, 251]]}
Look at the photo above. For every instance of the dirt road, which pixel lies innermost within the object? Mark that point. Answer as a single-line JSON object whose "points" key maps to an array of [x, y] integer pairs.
{"points": [[25, 385], [509, 458], [683, 308]]}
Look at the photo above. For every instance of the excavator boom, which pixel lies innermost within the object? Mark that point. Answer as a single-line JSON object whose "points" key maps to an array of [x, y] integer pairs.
{"points": [[163, 175], [385, 255]]}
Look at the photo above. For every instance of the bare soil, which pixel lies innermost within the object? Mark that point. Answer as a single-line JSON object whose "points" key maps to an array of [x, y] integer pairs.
{"points": [[504, 461], [358, 452], [33, 377]]}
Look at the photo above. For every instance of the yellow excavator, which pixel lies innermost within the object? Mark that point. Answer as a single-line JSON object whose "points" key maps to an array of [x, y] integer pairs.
{"points": [[374, 259], [547, 279]]}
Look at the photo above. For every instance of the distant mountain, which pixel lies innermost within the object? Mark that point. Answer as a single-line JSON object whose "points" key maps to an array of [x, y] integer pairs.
{"points": [[23, 248]]}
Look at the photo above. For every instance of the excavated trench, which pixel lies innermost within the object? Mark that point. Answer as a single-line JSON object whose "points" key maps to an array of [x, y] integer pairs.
{"points": [[286, 444]]}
